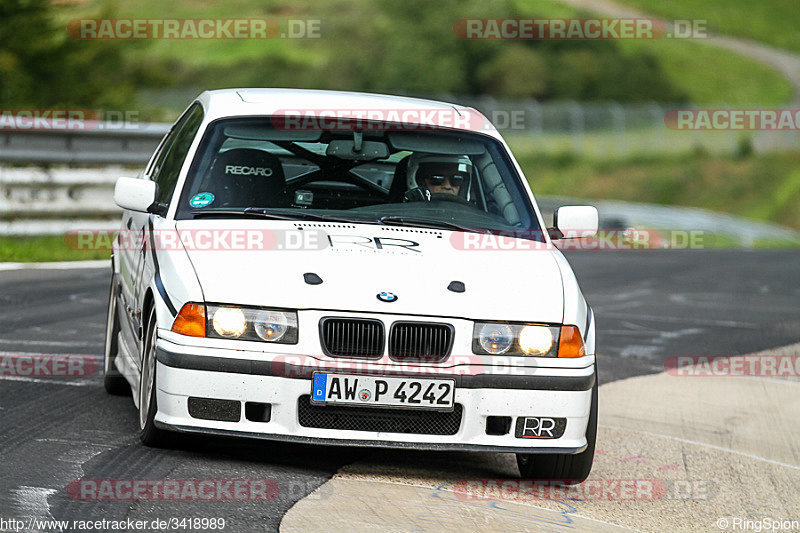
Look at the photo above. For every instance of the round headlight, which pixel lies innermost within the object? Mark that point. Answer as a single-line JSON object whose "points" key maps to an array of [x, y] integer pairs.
{"points": [[273, 327], [496, 338], [229, 322], [535, 340]]}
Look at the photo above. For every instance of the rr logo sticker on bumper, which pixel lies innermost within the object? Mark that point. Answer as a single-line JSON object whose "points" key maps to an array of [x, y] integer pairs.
{"points": [[540, 427]]}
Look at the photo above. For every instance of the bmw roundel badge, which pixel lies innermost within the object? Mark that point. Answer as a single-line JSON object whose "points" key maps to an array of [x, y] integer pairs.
{"points": [[387, 297]]}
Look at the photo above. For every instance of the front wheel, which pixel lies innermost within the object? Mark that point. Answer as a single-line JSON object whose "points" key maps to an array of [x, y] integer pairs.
{"points": [[149, 434], [113, 381], [569, 468]]}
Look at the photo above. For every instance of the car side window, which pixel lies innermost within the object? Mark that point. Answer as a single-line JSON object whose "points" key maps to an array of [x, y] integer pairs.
{"points": [[168, 165], [158, 155], [163, 148]]}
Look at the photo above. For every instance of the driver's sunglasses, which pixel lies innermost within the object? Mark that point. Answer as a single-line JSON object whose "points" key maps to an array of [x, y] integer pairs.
{"points": [[437, 180]]}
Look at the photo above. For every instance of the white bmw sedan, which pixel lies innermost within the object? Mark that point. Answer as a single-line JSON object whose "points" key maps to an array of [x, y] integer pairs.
{"points": [[350, 269]]}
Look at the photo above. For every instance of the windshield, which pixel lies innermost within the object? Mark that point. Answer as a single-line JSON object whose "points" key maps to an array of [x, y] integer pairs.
{"points": [[434, 178]]}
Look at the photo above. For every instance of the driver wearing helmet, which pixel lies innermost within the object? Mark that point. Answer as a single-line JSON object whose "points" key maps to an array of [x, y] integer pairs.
{"points": [[437, 174]]}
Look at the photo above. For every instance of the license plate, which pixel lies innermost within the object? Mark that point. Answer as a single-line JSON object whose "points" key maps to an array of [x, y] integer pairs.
{"points": [[383, 391]]}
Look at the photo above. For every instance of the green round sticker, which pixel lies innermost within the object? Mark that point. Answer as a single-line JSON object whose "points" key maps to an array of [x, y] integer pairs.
{"points": [[201, 200]]}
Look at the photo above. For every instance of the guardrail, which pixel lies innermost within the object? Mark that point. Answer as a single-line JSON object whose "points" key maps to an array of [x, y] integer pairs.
{"points": [[99, 143], [48, 194]]}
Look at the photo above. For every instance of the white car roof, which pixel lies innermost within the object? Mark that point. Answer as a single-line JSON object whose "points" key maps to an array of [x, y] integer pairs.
{"points": [[253, 101]]}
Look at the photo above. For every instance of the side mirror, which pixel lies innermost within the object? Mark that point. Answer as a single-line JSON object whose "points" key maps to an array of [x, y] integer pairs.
{"points": [[574, 221], [135, 194]]}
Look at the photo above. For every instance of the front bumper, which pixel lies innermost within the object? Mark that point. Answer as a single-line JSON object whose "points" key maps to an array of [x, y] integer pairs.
{"points": [[482, 392]]}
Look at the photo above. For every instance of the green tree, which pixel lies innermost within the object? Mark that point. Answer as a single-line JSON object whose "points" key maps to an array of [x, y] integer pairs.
{"points": [[41, 66]]}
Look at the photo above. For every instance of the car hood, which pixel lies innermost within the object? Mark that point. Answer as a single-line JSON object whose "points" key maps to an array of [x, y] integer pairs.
{"points": [[357, 262]]}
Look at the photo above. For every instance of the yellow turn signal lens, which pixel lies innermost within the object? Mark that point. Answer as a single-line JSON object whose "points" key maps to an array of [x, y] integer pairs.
{"points": [[191, 320], [570, 343]]}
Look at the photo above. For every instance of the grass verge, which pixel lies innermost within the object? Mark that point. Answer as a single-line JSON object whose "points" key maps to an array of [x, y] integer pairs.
{"points": [[42, 248], [774, 22], [707, 74], [763, 187]]}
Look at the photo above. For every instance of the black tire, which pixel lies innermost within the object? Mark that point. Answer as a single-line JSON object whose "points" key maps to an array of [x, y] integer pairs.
{"points": [[113, 381], [149, 434], [569, 468]]}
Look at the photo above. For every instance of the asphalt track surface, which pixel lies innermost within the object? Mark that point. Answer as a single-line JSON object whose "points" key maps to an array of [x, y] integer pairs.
{"points": [[649, 305]]}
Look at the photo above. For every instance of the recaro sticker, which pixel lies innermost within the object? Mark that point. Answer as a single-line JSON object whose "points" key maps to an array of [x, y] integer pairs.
{"points": [[202, 199], [240, 170]]}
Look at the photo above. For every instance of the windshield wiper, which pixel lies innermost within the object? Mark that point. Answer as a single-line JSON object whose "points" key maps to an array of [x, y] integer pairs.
{"points": [[290, 214], [277, 214], [200, 213], [426, 223]]}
